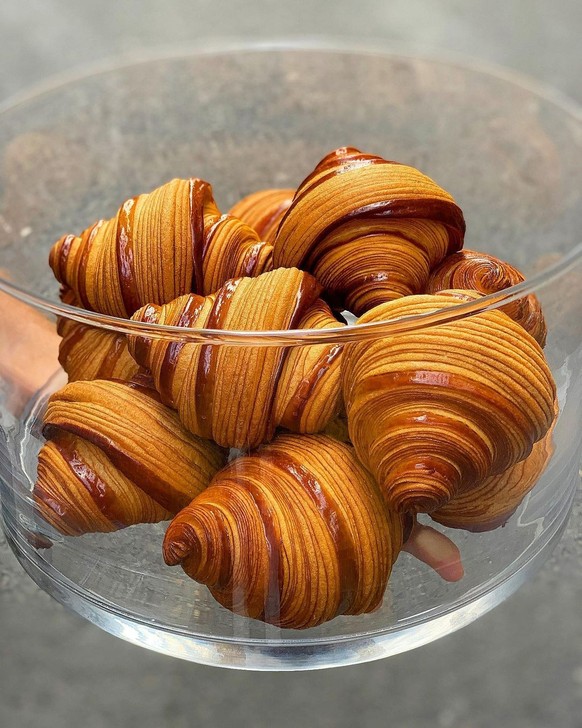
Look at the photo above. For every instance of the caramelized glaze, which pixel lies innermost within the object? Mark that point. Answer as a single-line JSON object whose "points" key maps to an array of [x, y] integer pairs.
{"points": [[159, 246], [228, 393], [435, 411], [308, 537], [474, 271], [369, 230], [98, 471]]}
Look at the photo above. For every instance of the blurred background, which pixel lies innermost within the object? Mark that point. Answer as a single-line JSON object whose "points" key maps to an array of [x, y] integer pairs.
{"points": [[521, 665]]}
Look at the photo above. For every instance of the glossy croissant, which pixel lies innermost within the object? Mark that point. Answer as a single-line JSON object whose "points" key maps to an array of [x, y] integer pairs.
{"points": [[263, 211], [308, 396], [437, 410], [158, 246], [238, 395], [294, 534], [484, 273], [87, 353], [492, 503], [368, 229], [115, 457]]}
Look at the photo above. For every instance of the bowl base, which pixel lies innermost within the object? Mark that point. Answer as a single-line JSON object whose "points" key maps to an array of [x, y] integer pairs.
{"points": [[278, 655]]}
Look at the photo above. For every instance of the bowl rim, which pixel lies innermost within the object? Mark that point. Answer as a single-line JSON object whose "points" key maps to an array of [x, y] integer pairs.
{"points": [[340, 334]]}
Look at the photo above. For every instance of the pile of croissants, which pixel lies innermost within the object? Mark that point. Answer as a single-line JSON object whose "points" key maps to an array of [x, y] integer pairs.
{"points": [[292, 473]]}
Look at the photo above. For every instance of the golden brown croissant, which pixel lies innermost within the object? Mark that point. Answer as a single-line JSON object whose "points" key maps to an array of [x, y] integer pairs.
{"points": [[492, 503], [436, 410], [115, 456], [86, 352], [226, 393], [159, 246], [474, 271], [308, 393], [293, 534], [263, 211], [368, 229]]}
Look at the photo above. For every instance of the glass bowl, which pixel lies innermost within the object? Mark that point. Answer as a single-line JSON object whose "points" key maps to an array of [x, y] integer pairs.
{"points": [[248, 119]]}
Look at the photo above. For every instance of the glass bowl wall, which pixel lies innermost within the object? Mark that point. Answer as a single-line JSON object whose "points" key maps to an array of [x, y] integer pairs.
{"points": [[245, 120]]}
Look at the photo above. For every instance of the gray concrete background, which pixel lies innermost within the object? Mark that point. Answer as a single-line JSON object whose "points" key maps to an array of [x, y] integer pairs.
{"points": [[518, 667]]}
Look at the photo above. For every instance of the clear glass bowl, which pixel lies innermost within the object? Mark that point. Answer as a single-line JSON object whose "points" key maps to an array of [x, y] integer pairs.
{"points": [[254, 118]]}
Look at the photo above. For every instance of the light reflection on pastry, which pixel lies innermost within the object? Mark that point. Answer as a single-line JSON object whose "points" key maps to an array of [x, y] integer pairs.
{"points": [[437, 410], [370, 230], [158, 246], [115, 457], [484, 273], [294, 534]]}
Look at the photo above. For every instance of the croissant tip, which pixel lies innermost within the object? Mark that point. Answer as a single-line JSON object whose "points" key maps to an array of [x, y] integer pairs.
{"points": [[412, 502], [42, 499], [179, 543], [175, 552]]}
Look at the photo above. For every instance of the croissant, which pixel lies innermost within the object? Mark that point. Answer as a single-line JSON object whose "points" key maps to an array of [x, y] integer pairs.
{"points": [[492, 503], [308, 393], [88, 353], [437, 410], [159, 246], [368, 229], [226, 393], [115, 457], [263, 211], [293, 534], [474, 271]]}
